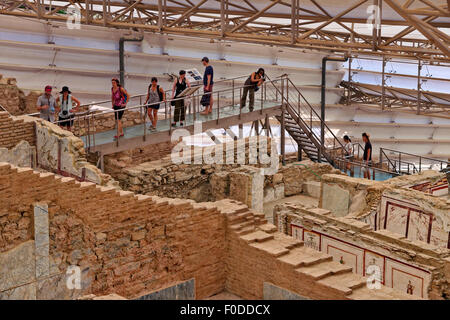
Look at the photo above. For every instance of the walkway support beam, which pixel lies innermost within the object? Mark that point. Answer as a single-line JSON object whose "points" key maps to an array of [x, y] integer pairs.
{"points": [[122, 57], [322, 100]]}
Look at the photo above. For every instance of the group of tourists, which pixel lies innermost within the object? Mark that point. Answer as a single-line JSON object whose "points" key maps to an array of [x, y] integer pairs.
{"points": [[63, 106], [367, 156]]}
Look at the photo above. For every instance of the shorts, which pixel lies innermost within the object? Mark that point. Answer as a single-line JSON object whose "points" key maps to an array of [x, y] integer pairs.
{"points": [[367, 169], [66, 122], [119, 114], [48, 117], [153, 106]]}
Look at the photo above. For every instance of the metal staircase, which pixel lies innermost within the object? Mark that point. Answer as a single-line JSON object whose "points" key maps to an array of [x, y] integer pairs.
{"points": [[300, 121]]}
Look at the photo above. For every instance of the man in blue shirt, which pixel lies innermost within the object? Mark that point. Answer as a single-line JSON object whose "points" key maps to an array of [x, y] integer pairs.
{"points": [[46, 105], [208, 82]]}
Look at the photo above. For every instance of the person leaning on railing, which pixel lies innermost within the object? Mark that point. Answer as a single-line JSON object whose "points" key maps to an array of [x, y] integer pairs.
{"points": [[348, 149], [65, 108], [251, 85], [119, 97]]}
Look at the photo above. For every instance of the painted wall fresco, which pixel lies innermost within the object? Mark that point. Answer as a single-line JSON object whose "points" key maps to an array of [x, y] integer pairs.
{"points": [[405, 218], [392, 273], [438, 188]]}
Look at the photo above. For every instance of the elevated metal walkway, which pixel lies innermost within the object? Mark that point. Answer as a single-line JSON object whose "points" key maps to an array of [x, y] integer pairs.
{"points": [[278, 98], [226, 113]]}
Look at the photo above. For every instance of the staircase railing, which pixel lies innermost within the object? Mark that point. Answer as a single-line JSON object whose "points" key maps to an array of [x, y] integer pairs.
{"points": [[305, 115], [398, 160]]}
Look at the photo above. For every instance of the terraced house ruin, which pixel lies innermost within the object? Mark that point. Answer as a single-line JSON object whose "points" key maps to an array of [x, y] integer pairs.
{"points": [[133, 166]]}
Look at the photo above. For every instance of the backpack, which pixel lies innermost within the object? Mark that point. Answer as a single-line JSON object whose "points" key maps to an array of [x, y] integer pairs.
{"points": [[123, 96], [160, 94]]}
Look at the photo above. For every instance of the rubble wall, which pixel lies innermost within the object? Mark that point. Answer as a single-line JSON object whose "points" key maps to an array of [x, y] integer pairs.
{"points": [[105, 121], [202, 181]]}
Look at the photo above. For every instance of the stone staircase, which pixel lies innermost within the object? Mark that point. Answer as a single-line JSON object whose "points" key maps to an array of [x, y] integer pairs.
{"points": [[254, 230]]}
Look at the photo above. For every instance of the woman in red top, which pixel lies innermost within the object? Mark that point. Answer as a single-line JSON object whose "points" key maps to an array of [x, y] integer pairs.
{"points": [[119, 97]]}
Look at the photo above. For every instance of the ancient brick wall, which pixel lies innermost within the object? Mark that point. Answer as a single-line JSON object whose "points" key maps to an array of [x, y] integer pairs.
{"points": [[133, 245], [14, 130], [163, 177]]}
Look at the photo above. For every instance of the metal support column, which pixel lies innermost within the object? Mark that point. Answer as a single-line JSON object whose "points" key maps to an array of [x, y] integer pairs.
{"points": [[282, 127], [322, 101], [419, 85], [383, 83], [122, 57]]}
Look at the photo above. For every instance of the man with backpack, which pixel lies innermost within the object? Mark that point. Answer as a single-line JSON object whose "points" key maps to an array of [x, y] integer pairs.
{"points": [[155, 95]]}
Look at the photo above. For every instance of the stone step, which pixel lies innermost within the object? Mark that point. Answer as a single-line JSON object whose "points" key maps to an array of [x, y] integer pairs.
{"points": [[268, 227], [350, 280], [273, 247], [257, 236], [246, 230], [259, 222], [323, 270], [242, 225], [237, 218], [288, 241], [304, 256]]}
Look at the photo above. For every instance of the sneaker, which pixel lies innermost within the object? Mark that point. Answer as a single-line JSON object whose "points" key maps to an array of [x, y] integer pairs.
{"points": [[174, 124], [181, 124]]}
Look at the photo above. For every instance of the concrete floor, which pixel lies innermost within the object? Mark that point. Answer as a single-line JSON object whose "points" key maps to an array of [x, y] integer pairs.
{"points": [[302, 198]]}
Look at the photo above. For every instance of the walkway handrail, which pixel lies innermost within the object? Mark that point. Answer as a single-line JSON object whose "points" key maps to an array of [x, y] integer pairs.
{"points": [[89, 115], [363, 165], [145, 94], [170, 100], [388, 159], [420, 158]]}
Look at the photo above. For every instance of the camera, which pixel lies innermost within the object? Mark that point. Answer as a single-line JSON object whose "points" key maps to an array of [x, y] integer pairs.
{"points": [[65, 112]]}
